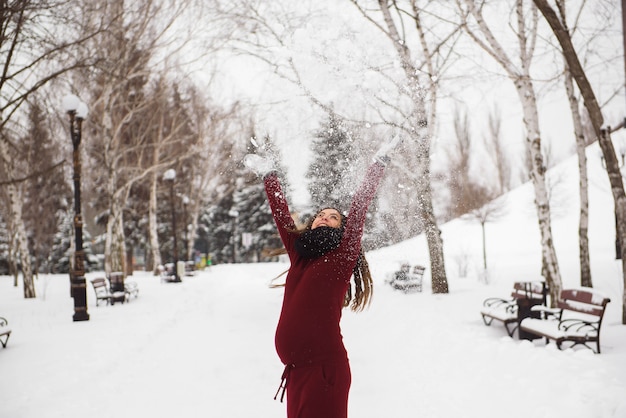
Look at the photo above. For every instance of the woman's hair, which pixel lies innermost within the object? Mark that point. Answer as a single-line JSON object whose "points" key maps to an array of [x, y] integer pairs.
{"points": [[363, 284]]}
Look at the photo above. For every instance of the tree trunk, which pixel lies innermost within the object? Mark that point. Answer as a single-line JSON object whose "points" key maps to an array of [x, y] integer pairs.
{"points": [[12, 256], [526, 31], [420, 133], [118, 247], [552, 274], [115, 247], [603, 135], [153, 226], [15, 202], [583, 221], [482, 226]]}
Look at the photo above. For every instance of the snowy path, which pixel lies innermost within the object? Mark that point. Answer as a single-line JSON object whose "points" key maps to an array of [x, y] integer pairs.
{"points": [[204, 348]]}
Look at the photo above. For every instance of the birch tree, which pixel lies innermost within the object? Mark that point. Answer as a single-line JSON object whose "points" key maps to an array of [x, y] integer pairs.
{"points": [[121, 96], [423, 66], [563, 36], [588, 36], [495, 146], [525, 24]]}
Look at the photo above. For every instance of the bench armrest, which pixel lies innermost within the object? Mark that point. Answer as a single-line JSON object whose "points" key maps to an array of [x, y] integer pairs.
{"points": [[578, 325], [497, 302]]}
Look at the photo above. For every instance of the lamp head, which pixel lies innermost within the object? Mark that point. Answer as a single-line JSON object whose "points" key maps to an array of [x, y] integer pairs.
{"points": [[71, 103], [82, 110], [169, 175]]}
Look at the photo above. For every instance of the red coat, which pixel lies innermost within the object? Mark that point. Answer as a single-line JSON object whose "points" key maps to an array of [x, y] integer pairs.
{"points": [[308, 330]]}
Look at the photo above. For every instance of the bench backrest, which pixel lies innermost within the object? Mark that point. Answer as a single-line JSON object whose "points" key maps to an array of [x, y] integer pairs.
{"points": [[536, 290], [419, 270], [587, 302], [99, 285]]}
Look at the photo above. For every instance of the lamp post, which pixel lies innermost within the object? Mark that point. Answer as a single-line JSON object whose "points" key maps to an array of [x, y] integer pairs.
{"points": [[77, 112], [170, 176]]}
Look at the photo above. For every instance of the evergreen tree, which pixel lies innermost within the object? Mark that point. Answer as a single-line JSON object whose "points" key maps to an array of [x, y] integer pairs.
{"points": [[239, 227], [330, 179], [255, 230], [46, 192]]}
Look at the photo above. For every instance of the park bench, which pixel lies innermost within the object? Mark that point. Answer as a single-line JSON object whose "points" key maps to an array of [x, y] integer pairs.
{"points": [[407, 279], [576, 319], [103, 292], [118, 284], [512, 311], [5, 332], [168, 274]]}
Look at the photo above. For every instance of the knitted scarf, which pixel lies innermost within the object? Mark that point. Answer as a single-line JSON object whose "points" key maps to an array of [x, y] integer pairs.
{"points": [[313, 243]]}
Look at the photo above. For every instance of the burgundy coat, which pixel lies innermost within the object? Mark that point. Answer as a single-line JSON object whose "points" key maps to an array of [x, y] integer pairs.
{"points": [[308, 330]]}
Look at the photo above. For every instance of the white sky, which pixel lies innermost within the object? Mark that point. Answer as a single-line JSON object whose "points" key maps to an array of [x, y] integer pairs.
{"points": [[350, 40]]}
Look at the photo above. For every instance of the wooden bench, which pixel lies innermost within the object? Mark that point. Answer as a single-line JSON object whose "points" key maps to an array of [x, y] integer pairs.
{"points": [[511, 311], [103, 292], [576, 320], [5, 332], [407, 279]]}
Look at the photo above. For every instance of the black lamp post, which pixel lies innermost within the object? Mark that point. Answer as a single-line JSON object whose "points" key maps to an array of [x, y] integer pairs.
{"points": [[77, 112], [170, 176]]}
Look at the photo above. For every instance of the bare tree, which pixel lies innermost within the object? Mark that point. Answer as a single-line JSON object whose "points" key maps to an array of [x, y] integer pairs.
{"points": [[581, 143], [37, 40], [459, 165], [491, 211], [429, 58], [125, 101], [496, 150], [562, 34], [526, 19]]}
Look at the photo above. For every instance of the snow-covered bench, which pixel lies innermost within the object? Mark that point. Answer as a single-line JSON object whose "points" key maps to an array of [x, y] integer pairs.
{"points": [[511, 311], [5, 332], [408, 279], [103, 292], [576, 320]]}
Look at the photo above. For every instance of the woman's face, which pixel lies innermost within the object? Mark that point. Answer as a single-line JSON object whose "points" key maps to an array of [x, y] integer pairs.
{"points": [[327, 217]]}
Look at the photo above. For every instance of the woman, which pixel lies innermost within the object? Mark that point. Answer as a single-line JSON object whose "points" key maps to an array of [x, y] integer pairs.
{"points": [[323, 258]]}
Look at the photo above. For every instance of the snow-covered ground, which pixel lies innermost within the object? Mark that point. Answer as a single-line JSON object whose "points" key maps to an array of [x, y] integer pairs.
{"points": [[204, 347]]}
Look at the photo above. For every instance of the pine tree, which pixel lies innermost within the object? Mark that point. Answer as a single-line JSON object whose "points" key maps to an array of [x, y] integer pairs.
{"points": [[333, 162], [46, 192]]}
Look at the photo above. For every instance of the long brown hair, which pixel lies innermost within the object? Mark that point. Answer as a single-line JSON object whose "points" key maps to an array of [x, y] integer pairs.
{"points": [[363, 284]]}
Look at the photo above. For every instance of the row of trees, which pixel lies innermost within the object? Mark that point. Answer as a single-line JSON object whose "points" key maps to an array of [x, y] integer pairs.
{"points": [[133, 64], [428, 40]]}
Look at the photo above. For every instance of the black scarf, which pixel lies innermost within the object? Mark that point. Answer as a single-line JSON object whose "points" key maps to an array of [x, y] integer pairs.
{"points": [[313, 243]]}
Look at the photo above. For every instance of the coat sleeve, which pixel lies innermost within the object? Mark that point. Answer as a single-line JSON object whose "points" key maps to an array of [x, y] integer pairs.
{"points": [[280, 210], [358, 210]]}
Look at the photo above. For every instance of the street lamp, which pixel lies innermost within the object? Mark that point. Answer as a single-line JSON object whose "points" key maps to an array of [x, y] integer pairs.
{"points": [[77, 112], [170, 176]]}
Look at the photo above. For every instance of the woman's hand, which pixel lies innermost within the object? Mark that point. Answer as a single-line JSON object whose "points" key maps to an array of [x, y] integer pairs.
{"points": [[386, 148], [259, 165]]}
